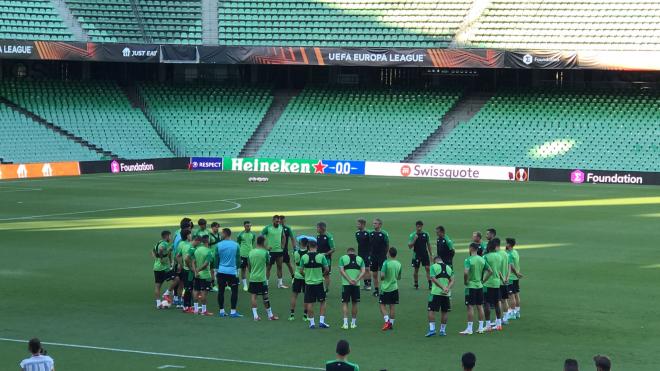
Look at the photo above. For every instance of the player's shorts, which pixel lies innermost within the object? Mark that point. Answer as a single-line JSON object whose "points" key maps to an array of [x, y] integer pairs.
{"points": [[162, 276], [439, 303], [187, 279], [298, 285], [421, 260], [390, 297], [515, 286], [493, 296], [314, 293], [285, 255], [183, 275], [244, 262], [474, 297], [376, 263], [366, 256], [350, 294], [225, 280], [201, 284], [275, 255], [504, 291], [258, 288]]}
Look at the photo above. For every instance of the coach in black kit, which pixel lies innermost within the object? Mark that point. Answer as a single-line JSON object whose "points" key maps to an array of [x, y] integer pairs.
{"points": [[363, 248], [379, 243]]}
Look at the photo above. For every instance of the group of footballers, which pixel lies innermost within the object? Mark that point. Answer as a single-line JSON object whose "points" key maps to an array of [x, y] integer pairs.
{"points": [[197, 260]]}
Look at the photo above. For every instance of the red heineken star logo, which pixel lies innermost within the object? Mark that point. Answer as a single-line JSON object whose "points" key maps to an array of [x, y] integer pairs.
{"points": [[319, 167]]}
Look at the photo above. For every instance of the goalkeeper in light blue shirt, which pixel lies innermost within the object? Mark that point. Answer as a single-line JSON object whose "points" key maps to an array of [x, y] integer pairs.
{"points": [[228, 256]]}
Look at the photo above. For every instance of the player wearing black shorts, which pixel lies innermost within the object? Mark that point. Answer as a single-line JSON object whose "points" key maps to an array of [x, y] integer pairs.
{"points": [[363, 248], [162, 254], [313, 266], [418, 241], [443, 279], [287, 236], [326, 246], [351, 269], [298, 285], [474, 267], [379, 243]]}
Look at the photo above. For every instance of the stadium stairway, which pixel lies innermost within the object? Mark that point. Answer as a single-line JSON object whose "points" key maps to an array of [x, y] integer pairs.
{"points": [[281, 99], [40, 120], [69, 20], [210, 22], [133, 95], [468, 105]]}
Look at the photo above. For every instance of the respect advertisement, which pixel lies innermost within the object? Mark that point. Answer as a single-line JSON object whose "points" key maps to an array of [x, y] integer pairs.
{"points": [[134, 166], [297, 166], [205, 163], [477, 172], [39, 170], [581, 176]]}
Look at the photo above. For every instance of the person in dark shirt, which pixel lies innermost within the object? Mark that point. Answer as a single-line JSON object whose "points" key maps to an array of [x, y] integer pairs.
{"points": [[363, 248], [341, 363], [379, 243]]}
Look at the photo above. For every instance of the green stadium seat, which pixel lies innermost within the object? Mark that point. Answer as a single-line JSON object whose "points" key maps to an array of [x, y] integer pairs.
{"points": [[32, 20]]}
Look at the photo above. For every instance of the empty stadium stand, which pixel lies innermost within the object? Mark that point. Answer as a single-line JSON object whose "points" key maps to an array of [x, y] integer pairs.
{"points": [[355, 23], [97, 112], [568, 25], [378, 125], [25, 140], [31, 20], [206, 120], [559, 129]]}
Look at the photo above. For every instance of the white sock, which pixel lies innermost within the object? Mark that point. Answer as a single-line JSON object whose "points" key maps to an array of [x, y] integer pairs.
{"points": [[270, 312], [517, 309], [321, 319], [392, 320], [386, 318], [233, 311], [203, 308], [158, 302], [311, 321], [176, 298], [353, 321], [196, 306], [469, 328], [244, 282], [167, 292], [222, 311], [431, 326], [254, 313], [345, 321], [481, 325], [488, 323], [443, 326], [279, 282], [498, 322]]}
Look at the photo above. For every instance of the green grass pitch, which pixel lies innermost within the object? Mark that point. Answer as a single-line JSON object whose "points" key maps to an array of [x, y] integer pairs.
{"points": [[80, 272]]}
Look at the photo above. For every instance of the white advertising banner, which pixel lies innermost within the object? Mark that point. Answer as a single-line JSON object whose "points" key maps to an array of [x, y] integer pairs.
{"points": [[440, 171]]}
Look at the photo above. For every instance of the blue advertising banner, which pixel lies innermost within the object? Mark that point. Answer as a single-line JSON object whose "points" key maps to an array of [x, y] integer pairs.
{"points": [[343, 167], [206, 163]]}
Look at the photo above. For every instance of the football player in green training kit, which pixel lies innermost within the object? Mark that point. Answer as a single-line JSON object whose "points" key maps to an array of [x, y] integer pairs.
{"points": [[419, 242], [214, 239], [186, 223], [390, 273], [379, 243], [341, 363], [313, 266], [257, 261], [364, 250], [246, 241], [351, 269], [201, 265], [298, 285], [442, 277], [162, 254], [287, 236], [505, 271], [516, 275], [274, 234], [325, 245], [184, 254], [201, 230], [492, 285], [474, 267]]}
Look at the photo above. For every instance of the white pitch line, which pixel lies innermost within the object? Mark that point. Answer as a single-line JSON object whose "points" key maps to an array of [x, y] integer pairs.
{"points": [[117, 350], [169, 366], [230, 200], [21, 190]]}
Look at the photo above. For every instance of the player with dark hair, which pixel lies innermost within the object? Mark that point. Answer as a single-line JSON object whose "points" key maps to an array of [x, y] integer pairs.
{"points": [[602, 363], [341, 363], [162, 254], [351, 269], [298, 285], [363, 248], [201, 266], [379, 243], [247, 241], [419, 242], [390, 273], [184, 259], [571, 365], [490, 234], [474, 267], [442, 277], [326, 246], [39, 360], [505, 271], [185, 224], [274, 234], [201, 230], [257, 261], [287, 236], [313, 266], [468, 361], [492, 285], [444, 246], [228, 258], [516, 275]]}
